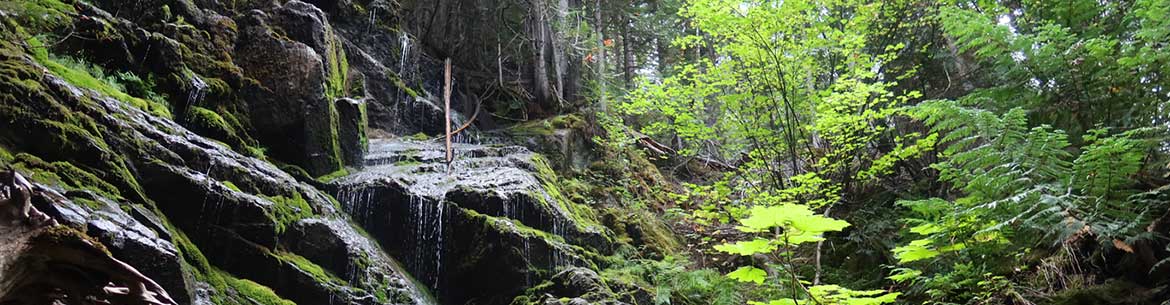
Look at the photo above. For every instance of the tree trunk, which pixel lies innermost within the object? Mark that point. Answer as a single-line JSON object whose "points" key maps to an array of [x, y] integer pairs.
{"points": [[627, 54], [599, 26], [540, 46], [559, 48]]}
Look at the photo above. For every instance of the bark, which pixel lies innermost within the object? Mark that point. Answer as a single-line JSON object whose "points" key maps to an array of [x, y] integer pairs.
{"points": [[627, 54], [559, 48], [599, 26], [540, 47]]}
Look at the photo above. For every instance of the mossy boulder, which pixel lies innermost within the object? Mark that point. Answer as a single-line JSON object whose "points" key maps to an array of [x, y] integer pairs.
{"points": [[290, 108], [563, 139]]}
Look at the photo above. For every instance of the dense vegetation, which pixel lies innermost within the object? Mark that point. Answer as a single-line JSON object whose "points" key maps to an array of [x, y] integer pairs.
{"points": [[645, 152], [937, 152]]}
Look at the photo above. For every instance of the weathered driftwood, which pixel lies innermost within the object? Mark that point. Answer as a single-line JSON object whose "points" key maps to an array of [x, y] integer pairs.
{"points": [[43, 262]]}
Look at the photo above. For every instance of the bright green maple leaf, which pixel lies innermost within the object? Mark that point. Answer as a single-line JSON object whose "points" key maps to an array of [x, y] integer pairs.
{"points": [[748, 274], [746, 248]]}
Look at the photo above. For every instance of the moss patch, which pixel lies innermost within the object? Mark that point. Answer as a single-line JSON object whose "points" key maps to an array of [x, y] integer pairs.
{"points": [[64, 175], [213, 125], [500, 224], [287, 210], [253, 291], [83, 74], [584, 216], [41, 14], [334, 175], [546, 127], [319, 274]]}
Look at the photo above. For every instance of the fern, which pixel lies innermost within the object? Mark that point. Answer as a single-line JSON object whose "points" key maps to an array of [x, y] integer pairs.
{"points": [[1021, 187]]}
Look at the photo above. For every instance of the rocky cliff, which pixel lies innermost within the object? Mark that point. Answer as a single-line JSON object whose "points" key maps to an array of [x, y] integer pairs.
{"points": [[256, 152]]}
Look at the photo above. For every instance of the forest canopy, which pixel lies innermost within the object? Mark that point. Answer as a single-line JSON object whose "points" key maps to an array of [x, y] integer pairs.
{"points": [[979, 152]]}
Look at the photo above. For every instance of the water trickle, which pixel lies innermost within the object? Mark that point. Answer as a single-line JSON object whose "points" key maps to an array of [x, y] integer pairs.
{"points": [[373, 20], [405, 41], [439, 245], [197, 92]]}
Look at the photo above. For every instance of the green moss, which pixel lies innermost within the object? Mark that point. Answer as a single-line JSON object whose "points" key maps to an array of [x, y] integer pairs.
{"points": [[64, 175], [231, 185], [583, 216], [292, 169], [336, 85], [319, 274], [212, 124], [500, 224], [251, 291], [41, 15], [334, 175], [408, 162], [257, 152], [398, 82], [418, 137], [363, 125], [335, 137], [548, 126], [86, 75], [287, 210], [59, 235]]}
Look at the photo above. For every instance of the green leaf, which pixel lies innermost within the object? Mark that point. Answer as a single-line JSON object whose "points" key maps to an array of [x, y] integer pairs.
{"points": [[789, 216], [818, 224], [917, 250], [904, 274], [747, 248], [748, 274]]}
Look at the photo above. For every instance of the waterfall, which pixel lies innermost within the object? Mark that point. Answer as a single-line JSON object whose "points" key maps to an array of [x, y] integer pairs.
{"points": [[427, 257], [373, 19], [405, 41], [198, 90], [439, 245]]}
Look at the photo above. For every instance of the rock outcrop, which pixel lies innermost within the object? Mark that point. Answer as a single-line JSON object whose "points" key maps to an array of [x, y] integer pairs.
{"points": [[481, 228], [224, 150], [237, 222]]}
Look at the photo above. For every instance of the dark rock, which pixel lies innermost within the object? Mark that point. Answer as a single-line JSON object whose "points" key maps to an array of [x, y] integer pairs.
{"points": [[352, 130], [289, 110], [482, 228], [241, 228], [576, 281]]}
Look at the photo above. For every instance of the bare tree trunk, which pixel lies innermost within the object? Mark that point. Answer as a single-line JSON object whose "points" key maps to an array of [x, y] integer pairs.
{"points": [[447, 108], [559, 48], [540, 47], [599, 27], [627, 54]]}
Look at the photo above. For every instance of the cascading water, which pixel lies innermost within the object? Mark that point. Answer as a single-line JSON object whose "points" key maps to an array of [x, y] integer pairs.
{"points": [[197, 91], [405, 197]]}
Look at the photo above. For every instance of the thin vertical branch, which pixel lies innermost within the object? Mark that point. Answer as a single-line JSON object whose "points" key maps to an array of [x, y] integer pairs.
{"points": [[447, 107]]}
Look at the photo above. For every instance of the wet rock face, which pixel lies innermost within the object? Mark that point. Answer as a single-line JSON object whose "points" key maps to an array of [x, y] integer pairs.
{"points": [[479, 230], [131, 238], [224, 213], [292, 67], [352, 135], [50, 259]]}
